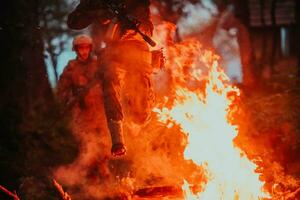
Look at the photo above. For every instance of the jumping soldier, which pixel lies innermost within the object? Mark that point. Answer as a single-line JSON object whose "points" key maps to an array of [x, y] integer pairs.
{"points": [[126, 61]]}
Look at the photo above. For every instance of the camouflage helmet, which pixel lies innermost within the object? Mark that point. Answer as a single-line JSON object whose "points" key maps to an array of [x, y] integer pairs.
{"points": [[82, 39]]}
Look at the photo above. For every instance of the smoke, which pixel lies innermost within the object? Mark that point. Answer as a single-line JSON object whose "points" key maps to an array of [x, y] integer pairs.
{"points": [[203, 21], [225, 41], [196, 17]]}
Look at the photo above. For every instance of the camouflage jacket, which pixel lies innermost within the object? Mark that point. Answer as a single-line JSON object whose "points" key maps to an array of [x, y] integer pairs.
{"points": [[77, 76]]}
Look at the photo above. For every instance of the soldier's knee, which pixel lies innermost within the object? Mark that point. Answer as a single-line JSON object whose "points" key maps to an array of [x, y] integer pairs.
{"points": [[142, 117]]}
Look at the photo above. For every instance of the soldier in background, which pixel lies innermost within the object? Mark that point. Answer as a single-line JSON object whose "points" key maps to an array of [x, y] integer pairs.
{"points": [[126, 63], [80, 90]]}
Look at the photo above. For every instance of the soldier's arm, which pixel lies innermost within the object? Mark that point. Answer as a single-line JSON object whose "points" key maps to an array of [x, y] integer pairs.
{"points": [[158, 59], [86, 13], [65, 85], [79, 19]]}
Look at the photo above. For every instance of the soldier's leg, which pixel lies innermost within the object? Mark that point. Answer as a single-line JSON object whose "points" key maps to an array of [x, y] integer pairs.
{"points": [[138, 106], [147, 98], [138, 88], [113, 109]]}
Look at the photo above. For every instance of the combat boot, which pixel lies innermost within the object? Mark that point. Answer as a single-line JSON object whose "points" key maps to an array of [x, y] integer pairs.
{"points": [[117, 139]]}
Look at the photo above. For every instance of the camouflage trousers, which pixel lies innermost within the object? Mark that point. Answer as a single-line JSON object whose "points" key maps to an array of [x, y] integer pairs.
{"points": [[127, 87]]}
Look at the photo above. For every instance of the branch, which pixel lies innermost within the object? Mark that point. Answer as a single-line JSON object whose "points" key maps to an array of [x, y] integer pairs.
{"points": [[293, 195], [59, 188], [288, 195], [9, 193]]}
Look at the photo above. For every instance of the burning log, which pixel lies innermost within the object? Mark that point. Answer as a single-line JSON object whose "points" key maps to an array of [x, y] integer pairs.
{"points": [[293, 195], [161, 191], [9, 193], [59, 188], [289, 195]]}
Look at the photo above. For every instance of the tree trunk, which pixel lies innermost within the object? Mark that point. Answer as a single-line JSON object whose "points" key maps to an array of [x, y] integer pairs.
{"points": [[275, 35], [298, 33], [25, 90]]}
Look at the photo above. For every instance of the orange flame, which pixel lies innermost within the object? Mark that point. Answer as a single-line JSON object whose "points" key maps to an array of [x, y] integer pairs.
{"points": [[205, 118]]}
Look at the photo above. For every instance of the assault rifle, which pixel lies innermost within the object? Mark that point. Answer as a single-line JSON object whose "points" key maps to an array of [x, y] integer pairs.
{"points": [[76, 98], [118, 10]]}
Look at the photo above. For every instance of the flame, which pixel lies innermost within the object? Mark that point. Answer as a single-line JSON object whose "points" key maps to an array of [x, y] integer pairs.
{"points": [[205, 118]]}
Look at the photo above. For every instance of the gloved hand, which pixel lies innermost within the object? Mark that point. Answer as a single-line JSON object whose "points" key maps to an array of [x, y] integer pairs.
{"points": [[76, 91], [81, 103], [77, 95], [158, 59]]}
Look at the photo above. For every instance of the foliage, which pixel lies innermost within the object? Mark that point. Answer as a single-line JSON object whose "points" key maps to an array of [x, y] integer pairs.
{"points": [[53, 17], [270, 132], [29, 145]]}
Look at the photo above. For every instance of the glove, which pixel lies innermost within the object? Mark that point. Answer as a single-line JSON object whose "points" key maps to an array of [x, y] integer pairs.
{"points": [[158, 59]]}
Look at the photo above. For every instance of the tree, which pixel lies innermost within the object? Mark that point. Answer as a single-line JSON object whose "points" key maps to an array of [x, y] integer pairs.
{"points": [[24, 84], [53, 17], [27, 104], [298, 32]]}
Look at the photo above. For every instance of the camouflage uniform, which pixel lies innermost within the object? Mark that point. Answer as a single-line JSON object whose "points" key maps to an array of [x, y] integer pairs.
{"points": [[88, 121], [126, 65]]}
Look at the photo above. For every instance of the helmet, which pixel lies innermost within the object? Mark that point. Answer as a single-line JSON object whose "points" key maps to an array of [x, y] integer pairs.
{"points": [[82, 39]]}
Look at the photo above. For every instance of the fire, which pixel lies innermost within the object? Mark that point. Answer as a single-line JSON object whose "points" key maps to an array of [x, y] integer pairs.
{"points": [[205, 118]]}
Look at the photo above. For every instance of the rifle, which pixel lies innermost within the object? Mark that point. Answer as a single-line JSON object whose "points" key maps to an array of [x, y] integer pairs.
{"points": [[76, 98], [119, 11]]}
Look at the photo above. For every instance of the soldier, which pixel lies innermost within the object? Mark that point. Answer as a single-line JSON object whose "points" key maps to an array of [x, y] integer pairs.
{"points": [[78, 72], [80, 88], [126, 63]]}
